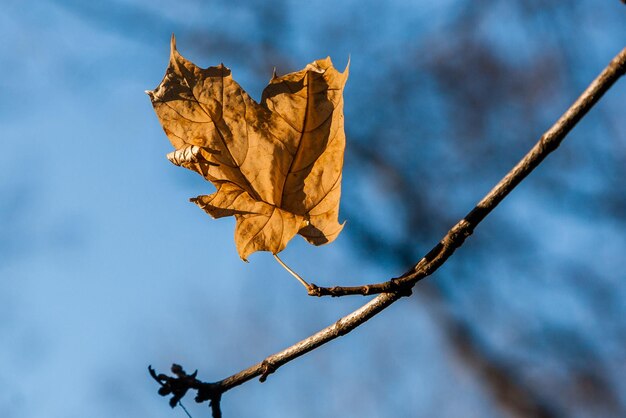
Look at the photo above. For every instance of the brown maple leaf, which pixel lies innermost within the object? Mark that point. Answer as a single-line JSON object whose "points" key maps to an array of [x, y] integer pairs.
{"points": [[276, 164]]}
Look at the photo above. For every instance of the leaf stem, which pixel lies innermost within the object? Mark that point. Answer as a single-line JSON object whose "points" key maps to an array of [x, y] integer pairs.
{"points": [[293, 273]]}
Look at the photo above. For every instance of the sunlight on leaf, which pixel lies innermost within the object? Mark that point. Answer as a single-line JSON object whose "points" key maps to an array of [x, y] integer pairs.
{"points": [[276, 164]]}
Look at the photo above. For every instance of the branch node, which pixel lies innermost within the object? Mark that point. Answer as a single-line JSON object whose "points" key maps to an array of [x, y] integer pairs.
{"points": [[339, 330], [267, 368], [402, 289], [314, 290]]}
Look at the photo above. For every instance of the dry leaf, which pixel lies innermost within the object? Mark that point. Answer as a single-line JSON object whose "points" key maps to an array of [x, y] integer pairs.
{"points": [[276, 165]]}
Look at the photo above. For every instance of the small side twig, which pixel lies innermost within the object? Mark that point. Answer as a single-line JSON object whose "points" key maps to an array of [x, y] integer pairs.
{"points": [[394, 289]]}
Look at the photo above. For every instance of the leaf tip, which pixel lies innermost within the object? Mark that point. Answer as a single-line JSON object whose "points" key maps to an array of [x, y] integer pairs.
{"points": [[173, 44]]}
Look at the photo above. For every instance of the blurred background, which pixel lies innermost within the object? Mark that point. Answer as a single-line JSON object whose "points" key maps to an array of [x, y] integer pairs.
{"points": [[105, 267]]}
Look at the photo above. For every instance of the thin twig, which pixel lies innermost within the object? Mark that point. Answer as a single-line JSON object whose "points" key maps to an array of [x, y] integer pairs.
{"points": [[293, 273], [402, 285]]}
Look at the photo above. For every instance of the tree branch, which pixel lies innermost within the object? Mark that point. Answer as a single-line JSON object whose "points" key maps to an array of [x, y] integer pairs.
{"points": [[394, 289]]}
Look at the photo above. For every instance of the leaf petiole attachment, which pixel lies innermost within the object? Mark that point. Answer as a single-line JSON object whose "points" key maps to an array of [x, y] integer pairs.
{"points": [[293, 273]]}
